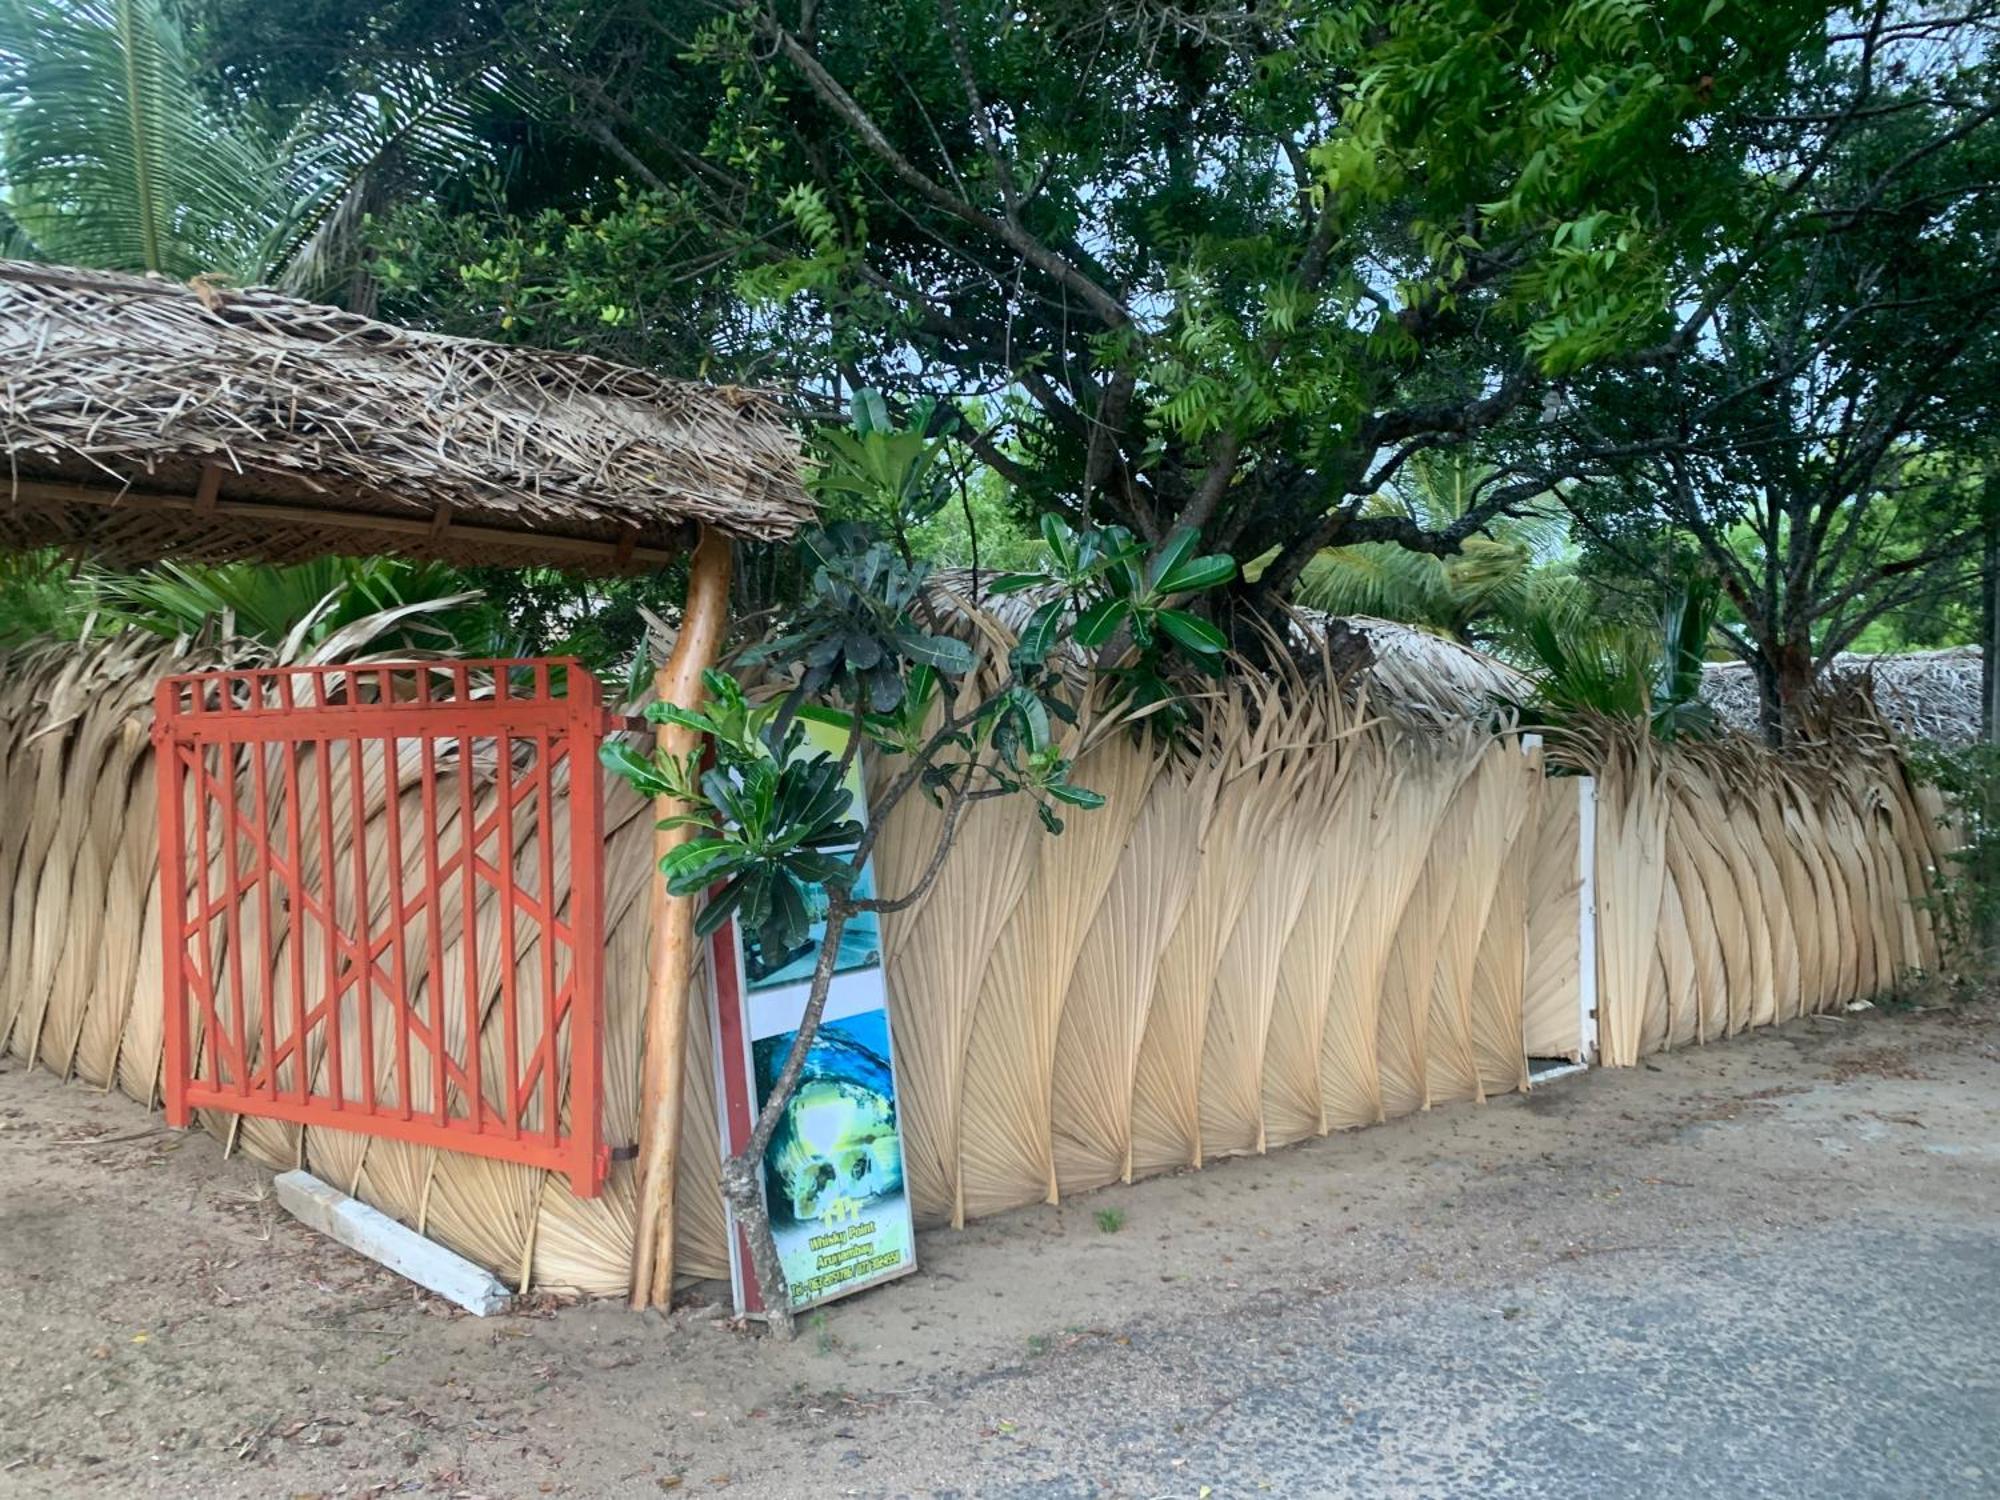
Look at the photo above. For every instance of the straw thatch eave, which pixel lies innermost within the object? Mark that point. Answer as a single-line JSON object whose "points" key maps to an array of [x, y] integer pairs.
{"points": [[140, 420], [1928, 696]]}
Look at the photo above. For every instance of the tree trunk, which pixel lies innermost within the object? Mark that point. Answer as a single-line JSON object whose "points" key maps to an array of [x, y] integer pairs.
{"points": [[670, 926], [1792, 678], [1770, 711]]}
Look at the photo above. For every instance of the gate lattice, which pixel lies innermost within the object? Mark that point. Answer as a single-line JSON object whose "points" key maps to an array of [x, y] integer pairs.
{"points": [[383, 903]]}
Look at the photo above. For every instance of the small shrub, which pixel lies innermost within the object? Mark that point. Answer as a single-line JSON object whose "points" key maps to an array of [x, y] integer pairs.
{"points": [[1966, 900]]}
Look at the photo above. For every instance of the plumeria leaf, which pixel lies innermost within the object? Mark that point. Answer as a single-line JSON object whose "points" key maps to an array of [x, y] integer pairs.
{"points": [[1193, 632]]}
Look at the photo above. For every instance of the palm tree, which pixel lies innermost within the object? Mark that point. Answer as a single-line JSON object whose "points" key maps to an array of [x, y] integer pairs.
{"points": [[1489, 588], [415, 605], [112, 156], [1585, 663]]}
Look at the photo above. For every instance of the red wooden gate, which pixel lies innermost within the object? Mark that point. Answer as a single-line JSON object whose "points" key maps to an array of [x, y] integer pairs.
{"points": [[364, 911]]}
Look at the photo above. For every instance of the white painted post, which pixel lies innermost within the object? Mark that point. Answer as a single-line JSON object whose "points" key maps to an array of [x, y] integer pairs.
{"points": [[1586, 918], [379, 1237]]}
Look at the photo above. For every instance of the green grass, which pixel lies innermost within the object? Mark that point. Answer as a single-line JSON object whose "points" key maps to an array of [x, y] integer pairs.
{"points": [[1110, 1220]]}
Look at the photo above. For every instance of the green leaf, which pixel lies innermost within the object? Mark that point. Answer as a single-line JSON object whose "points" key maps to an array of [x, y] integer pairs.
{"points": [[1193, 632], [719, 908], [1030, 716], [1075, 796], [869, 412], [1038, 636], [1178, 549], [673, 713], [692, 866], [821, 869], [948, 655], [1197, 574], [789, 921], [1013, 583], [1061, 541], [621, 760], [1097, 624]]}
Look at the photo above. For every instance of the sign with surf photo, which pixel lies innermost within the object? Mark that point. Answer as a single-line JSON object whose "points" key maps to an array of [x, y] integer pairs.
{"points": [[833, 1173]]}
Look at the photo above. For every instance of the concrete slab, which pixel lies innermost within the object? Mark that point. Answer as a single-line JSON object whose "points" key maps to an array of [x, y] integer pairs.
{"points": [[380, 1238]]}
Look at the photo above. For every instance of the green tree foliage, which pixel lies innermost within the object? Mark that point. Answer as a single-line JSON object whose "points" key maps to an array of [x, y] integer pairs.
{"points": [[626, 276], [1716, 270], [111, 155], [1483, 594], [1819, 426], [38, 599], [1586, 664], [1210, 268]]}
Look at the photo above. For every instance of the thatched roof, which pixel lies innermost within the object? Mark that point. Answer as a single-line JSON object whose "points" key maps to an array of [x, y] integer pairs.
{"points": [[1436, 678], [1922, 695], [140, 419]]}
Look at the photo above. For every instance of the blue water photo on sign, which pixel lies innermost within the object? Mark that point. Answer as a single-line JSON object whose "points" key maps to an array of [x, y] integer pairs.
{"points": [[834, 1169], [860, 941]]}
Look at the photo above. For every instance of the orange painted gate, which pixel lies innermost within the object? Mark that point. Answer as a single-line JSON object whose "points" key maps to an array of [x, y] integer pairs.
{"points": [[383, 903]]}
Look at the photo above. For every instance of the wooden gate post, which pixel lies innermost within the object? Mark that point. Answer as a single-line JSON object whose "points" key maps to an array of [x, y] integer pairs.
{"points": [[670, 929]]}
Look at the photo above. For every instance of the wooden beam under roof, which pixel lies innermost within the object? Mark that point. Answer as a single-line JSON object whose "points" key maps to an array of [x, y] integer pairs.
{"points": [[393, 532]]}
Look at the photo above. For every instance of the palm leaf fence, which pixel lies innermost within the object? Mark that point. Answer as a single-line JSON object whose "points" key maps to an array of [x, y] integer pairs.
{"points": [[1318, 914]]}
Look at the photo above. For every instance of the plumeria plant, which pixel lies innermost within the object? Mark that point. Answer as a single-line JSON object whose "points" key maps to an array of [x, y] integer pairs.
{"points": [[777, 840]]}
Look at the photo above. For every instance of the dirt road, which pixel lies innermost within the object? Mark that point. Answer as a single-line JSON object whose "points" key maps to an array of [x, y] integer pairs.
{"points": [[1770, 1267]]}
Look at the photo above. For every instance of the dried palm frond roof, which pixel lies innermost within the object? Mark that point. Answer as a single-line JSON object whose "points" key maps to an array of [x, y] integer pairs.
{"points": [[1434, 677], [140, 419], [1922, 695]]}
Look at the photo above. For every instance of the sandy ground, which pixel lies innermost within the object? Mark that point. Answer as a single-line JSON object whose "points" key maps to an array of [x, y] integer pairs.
{"points": [[1770, 1267]]}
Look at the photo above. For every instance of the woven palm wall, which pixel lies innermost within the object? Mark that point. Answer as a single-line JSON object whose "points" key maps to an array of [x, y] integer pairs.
{"points": [[1549, 1004], [80, 975], [1312, 917], [1740, 888]]}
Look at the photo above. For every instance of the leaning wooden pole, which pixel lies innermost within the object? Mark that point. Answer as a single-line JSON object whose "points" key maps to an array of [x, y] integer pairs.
{"points": [[670, 932]]}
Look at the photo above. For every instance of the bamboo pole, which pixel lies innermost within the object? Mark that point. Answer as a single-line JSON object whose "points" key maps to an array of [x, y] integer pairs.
{"points": [[670, 921]]}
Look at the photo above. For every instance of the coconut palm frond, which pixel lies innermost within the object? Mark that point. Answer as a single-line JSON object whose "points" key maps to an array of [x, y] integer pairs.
{"points": [[1686, 624], [1440, 485], [302, 605], [176, 599], [113, 156], [1488, 583], [1487, 575], [341, 169], [1588, 666], [1376, 578]]}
